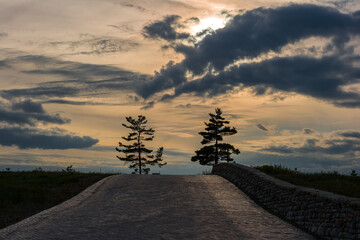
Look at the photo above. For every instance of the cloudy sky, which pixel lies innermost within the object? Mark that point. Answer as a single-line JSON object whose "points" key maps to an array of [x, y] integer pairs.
{"points": [[286, 75]]}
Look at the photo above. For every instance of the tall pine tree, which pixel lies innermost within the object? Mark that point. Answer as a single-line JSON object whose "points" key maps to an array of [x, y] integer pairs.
{"points": [[214, 132], [135, 151]]}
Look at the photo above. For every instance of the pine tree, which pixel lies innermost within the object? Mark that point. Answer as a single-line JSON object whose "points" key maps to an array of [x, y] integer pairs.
{"points": [[135, 152], [225, 150], [214, 132]]}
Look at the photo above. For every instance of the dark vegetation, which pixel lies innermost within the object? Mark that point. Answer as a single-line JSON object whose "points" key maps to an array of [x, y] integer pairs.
{"points": [[23, 194], [347, 185], [215, 131], [135, 151]]}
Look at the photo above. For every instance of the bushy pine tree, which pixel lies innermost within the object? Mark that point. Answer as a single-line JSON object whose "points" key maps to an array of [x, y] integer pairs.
{"points": [[225, 151], [135, 151], [214, 132]]}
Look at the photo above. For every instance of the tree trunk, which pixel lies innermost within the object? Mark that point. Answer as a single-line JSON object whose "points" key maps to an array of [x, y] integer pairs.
{"points": [[227, 156], [216, 148], [139, 151]]}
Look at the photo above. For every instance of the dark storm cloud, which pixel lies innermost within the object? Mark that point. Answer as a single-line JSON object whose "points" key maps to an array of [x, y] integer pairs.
{"points": [[350, 134], [28, 106], [169, 76], [341, 143], [29, 112], [25, 138], [257, 32], [30, 118], [261, 127], [261, 30], [320, 78], [165, 29]]}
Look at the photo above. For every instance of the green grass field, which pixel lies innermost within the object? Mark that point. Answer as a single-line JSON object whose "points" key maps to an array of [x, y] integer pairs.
{"points": [[23, 194], [328, 181]]}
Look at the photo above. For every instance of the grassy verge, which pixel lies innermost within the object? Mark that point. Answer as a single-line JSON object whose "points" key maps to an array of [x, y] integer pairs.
{"points": [[23, 194], [327, 181]]}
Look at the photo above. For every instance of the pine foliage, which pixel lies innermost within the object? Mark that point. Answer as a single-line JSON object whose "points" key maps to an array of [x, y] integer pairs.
{"points": [[135, 151], [214, 132]]}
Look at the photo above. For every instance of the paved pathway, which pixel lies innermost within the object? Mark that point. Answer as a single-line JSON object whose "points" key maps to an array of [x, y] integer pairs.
{"points": [[156, 207]]}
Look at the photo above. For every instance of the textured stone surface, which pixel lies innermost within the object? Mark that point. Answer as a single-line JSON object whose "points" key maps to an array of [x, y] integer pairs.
{"points": [[156, 207], [325, 214]]}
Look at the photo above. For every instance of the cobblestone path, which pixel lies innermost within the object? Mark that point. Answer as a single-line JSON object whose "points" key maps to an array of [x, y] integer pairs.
{"points": [[156, 207]]}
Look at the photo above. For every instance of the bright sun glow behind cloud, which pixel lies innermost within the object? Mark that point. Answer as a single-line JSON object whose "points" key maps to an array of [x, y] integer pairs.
{"points": [[211, 22]]}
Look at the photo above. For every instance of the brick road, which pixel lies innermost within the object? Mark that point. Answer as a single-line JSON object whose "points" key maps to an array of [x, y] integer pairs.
{"points": [[156, 207]]}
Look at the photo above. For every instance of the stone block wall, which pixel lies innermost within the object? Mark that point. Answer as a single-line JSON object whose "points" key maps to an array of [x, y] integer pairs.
{"points": [[325, 214]]}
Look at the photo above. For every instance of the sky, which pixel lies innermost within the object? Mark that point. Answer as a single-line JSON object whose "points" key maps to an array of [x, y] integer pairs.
{"points": [[285, 74]]}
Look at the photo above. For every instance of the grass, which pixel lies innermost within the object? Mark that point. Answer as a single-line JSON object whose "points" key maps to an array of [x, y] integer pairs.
{"points": [[206, 172], [23, 194], [328, 181]]}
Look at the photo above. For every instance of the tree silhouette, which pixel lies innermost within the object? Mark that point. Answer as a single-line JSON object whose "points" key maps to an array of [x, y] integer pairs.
{"points": [[225, 150], [135, 152], [214, 132]]}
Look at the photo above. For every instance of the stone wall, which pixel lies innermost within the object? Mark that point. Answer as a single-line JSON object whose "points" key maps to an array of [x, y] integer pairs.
{"points": [[324, 214]]}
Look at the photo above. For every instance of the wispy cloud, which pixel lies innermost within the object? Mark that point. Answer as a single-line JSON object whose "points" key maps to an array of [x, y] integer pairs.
{"points": [[81, 103], [78, 79], [344, 143], [308, 131], [262, 127], [133, 5], [2, 35], [69, 69], [95, 45], [148, 105]]}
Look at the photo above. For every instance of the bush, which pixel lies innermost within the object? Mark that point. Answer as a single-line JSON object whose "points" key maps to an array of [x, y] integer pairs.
{"points": [[327, 181]]}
